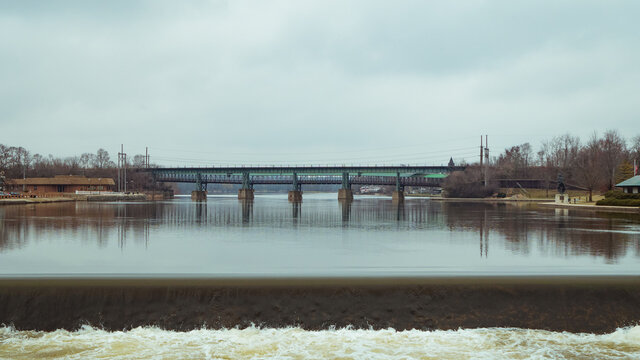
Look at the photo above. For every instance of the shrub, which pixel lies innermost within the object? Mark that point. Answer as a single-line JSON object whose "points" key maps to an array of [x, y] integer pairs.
{"points": [[619, 202], [467, 184], [617, 194]]}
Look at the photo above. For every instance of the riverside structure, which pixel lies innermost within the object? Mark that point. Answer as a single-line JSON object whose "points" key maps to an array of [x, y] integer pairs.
{"points": [[400, 176]]}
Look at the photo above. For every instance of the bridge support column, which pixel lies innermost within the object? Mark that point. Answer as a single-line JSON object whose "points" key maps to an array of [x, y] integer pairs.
{"points": [[345, 194], [197, 195], [200, 193], [295, 195], [246, 193], [398, 195]]}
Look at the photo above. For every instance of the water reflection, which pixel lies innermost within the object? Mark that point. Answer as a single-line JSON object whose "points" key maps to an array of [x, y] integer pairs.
{"points": [[524, 230], [557, 232]]}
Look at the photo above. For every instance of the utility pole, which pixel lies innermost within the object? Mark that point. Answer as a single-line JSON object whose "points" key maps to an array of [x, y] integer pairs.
{"points": [[119, 165], [480, 152], [486, 162], [125, 172], [122, 170], [146, 157]]}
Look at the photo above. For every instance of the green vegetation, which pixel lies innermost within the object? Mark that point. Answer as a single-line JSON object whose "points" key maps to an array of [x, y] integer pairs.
{"points": [[619, 202], [619, 198]]}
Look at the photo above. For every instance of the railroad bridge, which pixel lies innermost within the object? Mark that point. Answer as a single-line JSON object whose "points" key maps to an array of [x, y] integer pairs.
{"points": [[399, 176]]}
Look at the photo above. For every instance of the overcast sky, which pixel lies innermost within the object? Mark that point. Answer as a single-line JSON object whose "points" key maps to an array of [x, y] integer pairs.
{"points": [[204, 82]]}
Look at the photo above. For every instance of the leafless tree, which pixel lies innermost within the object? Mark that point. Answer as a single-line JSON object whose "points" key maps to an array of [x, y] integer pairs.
{"points": [[589, 172], [102, 159], [139, 161], [613, 148]]}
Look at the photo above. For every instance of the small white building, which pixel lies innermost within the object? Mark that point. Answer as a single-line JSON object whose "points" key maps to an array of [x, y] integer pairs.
{"points": [[630, 186]]}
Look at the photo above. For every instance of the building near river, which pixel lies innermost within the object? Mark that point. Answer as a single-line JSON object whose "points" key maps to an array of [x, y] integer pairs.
{"points": [[630, 186], [60, 184]]}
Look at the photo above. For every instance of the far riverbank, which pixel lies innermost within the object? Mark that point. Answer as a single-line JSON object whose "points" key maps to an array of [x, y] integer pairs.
{"points": [[72, 197]]}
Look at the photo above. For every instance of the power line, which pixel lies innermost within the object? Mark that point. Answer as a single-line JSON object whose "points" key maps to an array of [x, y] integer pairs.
{"points": [[315, 152], [424, 156]]}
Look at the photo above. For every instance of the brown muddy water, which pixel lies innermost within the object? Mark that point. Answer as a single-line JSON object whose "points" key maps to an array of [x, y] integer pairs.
{"points": [[320, 279]]}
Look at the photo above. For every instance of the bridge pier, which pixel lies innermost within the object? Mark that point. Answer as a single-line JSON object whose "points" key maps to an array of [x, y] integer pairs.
{"points": [[345, 194], [246, 193], [398, 195], [199, 195], [295, 195]]}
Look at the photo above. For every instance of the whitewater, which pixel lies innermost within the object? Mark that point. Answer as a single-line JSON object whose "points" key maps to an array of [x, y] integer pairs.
{"points": [[296, 343]]}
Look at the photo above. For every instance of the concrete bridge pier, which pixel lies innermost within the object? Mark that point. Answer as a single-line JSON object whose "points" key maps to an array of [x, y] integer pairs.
{"points": [[345, 194], [295, 195], [398, 195], [246, 192], [198, 195]]}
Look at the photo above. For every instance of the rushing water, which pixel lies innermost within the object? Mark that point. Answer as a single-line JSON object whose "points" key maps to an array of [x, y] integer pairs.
{"points": [[319, 237], [295, 343]]}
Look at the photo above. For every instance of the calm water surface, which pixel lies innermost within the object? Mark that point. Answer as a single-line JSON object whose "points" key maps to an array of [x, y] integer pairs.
{"points": [[319, 237]]}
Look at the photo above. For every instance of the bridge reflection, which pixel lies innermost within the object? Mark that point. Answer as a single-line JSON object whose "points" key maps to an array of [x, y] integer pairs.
{"points": [[516, 229]]}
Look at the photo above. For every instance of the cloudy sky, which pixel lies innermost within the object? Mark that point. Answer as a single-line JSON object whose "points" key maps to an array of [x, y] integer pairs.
{"points": [[214, 82]]}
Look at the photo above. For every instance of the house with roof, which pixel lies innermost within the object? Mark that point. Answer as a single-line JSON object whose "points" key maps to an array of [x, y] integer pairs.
{"points": [[630, 186], [60, 184]]}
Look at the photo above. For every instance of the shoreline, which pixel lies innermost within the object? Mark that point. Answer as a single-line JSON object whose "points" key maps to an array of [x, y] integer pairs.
{"points": [[27, 201], [72, 197], [593, 207], [489, 200], [596, 304], [548, 203]]}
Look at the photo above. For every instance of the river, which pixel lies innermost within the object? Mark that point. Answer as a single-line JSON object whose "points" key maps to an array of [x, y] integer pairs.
{"points": [[318, 238]]}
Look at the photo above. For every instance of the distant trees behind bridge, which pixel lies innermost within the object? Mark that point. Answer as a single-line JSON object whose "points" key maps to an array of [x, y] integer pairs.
{"points": [[596, 164], [17, 162]]}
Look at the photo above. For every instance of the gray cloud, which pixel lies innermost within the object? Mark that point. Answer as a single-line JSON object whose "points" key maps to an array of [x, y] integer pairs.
{"points": [[301, 81]]}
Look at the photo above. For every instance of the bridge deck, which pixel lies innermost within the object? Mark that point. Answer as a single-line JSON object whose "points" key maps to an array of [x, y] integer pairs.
{"points": [[311, 170], [304, 179]]}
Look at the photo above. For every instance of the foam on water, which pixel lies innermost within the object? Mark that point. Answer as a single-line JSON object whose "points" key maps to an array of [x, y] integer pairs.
{"points": [[296, 343]]}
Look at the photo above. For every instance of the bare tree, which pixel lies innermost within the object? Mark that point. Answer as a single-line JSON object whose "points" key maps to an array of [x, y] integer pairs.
{"points": [[139, 161], [635, 148], [87, 159], [562, 151], [515, 161], [613, 148], [72, 163], [102, 159], [589, 173]]}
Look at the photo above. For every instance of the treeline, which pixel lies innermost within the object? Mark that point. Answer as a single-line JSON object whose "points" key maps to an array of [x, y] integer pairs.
{"points": [[17, 162], [596, 164]]}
